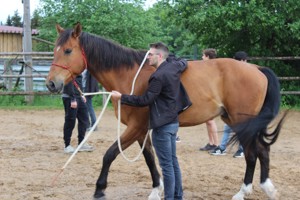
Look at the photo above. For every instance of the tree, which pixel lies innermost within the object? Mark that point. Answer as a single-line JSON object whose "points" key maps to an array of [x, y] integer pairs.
{"points": [[35, 20], [262, 28], [179, 40], [125, 22], [8, 21], [16, 19]]}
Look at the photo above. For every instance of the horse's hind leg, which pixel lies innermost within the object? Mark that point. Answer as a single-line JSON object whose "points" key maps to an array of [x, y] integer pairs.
{"points": [[150, 160], [251, 158], [265, 182]]}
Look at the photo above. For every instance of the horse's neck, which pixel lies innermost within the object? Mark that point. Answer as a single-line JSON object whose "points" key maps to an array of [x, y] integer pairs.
{"points": [[122, 80]]}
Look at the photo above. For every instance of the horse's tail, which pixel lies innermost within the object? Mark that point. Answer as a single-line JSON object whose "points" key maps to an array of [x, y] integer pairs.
{"points": [[256, 127]]}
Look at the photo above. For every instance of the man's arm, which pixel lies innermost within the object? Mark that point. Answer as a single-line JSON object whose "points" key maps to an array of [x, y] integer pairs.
{"points": [[144, 100]]}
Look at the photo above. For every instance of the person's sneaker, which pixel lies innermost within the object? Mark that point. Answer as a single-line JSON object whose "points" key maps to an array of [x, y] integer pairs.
{"points": [[208, 147], [218, 152], [178, 139], [69, 149], [86, 147], [239, 154]]}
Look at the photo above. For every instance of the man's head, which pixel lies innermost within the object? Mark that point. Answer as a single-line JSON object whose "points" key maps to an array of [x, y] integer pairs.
{"points": [[158, 53], [241, 56], [209, 54]]}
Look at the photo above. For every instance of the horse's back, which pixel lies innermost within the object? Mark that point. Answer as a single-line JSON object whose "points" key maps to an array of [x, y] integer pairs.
{"points": [[233, 89]]}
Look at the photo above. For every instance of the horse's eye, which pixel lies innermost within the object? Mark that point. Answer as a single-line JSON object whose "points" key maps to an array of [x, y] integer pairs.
{"points": [[68, 51]]}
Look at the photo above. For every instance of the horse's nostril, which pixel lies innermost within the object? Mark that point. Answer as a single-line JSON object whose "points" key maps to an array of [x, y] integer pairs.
{"points": [[51, 86]]}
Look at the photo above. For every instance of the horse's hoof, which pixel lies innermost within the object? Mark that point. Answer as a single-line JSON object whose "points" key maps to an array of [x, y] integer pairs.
{"points": [[100, 196]]}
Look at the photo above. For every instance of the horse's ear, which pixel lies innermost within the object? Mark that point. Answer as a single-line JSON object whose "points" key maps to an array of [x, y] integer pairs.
{"points": [[77, 30], [59, 29]]}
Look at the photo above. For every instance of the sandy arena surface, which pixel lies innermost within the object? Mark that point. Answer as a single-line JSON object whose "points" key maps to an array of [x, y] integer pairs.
{"points": [[31, 155]]}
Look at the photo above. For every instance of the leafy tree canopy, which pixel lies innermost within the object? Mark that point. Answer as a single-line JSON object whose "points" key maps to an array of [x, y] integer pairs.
{"points": [[125, 22], [15, 20], [262, 28]]}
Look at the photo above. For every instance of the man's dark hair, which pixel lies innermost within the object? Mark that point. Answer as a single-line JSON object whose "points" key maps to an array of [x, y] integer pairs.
{"points": [[211, 53], [160, 46], [240, 55]]}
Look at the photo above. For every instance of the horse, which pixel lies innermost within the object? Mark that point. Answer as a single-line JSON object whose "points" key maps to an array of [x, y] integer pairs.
{"points": [[244, 95]]}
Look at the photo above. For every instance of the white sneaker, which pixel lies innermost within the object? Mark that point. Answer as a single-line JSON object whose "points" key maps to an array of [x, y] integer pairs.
{"points": [[86, 147], [69, 149]]}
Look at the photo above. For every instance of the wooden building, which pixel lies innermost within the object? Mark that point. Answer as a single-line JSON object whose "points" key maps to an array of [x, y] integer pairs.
{"points": [[11, 38]]}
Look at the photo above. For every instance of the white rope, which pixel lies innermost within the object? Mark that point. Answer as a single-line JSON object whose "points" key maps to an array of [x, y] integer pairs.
{"points": [[90, 132], [119, 113], [85, 138], [119, 136], [138, 72], [119, 121]]}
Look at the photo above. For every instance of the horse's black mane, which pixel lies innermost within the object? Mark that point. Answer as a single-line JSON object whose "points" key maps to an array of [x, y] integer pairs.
{"points": [[103, 54]]}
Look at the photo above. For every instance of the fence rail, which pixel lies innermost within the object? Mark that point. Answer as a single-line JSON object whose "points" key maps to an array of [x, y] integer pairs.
{"points": [[22, 93], [24, 76], [48, 56]]}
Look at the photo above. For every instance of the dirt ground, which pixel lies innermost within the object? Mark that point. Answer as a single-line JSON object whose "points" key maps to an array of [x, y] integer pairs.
{"points": [[31, 155]]}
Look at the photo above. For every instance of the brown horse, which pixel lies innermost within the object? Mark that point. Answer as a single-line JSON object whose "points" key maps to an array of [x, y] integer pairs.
{"points": [[247, 98]]}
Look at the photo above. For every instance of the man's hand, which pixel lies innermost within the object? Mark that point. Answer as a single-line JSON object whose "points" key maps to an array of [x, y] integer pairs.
{"points": [[83, 99], [74, 104], [116, 95]]}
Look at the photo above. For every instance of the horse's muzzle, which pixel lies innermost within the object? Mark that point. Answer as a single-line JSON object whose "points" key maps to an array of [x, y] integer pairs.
{"points": [[54, 88]]}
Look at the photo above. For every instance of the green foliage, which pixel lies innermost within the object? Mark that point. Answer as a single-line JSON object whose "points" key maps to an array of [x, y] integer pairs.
{"points": [[125, 22], [53, 101], [8, 21], [179, 40], [16, 20], [41, 102], [12, 101], [35, 20], [262, 28]]}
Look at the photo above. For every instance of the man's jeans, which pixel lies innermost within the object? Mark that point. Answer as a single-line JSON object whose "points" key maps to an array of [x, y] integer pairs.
{"points": [[225, 138], [164, 142]]}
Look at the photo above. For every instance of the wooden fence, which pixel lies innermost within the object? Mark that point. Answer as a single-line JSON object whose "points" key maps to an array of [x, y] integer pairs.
{"points": [[45, 58]]}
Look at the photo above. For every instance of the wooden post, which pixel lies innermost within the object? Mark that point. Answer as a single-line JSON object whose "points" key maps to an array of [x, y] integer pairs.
{"points": [[8, 71], [27, 47]]}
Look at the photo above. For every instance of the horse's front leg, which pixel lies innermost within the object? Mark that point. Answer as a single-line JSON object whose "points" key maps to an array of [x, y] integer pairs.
{"points": [[265, 182], [108, 158], [149, 155], [251, 158], [130, 135]]}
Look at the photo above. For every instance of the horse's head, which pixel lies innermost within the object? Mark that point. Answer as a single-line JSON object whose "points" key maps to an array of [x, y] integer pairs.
{"points": [[69, 58]]}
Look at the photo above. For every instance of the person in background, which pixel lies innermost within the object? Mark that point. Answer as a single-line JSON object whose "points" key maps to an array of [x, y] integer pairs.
{"points": [[75, 107], [211, 125], [90, 84], [221, 150], [165, 100]]}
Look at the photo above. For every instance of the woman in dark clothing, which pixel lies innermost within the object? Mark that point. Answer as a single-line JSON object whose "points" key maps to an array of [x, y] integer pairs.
{"points": [[75, 107]]}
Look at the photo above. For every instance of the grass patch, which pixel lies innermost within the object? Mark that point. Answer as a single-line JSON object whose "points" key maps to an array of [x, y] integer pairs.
{"points": [[47, 102]]}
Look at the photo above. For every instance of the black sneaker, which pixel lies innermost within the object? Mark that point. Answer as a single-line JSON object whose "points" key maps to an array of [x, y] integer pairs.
{"points": [[178, 139], [208, 147], [239, 154], [218, 152]]}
